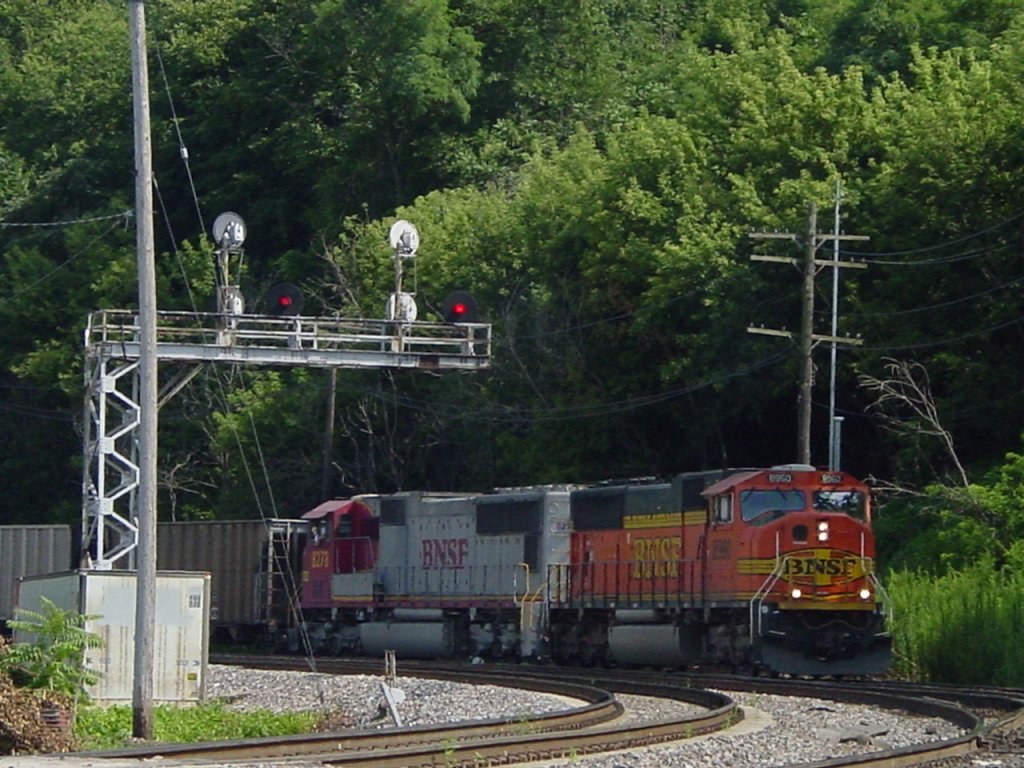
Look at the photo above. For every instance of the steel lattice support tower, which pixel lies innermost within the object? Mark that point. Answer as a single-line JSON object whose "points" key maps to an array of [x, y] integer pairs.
{"points": [[111, 469], [112, 412]]}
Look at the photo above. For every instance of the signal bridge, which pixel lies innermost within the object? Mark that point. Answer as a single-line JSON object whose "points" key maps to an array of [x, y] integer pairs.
{"points": [[112, 342], [195, 337]]}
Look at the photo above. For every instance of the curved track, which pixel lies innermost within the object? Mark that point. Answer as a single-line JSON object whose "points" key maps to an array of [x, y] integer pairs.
{"points": [[593, 727]]}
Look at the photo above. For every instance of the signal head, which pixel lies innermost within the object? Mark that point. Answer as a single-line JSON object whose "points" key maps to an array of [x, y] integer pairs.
{"points": [[284, 300], [459, 307]]}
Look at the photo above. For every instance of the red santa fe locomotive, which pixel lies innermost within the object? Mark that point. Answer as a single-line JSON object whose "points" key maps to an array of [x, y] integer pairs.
{"points": [[769, 568]]}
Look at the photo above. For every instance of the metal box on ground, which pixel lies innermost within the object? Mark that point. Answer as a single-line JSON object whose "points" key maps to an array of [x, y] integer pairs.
{"points": [[30, 550], [181, 628]]}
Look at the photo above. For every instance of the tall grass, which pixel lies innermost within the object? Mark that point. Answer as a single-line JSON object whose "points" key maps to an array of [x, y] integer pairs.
{"points": [[962, 627], [111, 727]]}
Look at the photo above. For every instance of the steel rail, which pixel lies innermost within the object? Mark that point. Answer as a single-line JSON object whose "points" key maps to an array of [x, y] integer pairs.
{"points": [[571, 733], [574, 731]]}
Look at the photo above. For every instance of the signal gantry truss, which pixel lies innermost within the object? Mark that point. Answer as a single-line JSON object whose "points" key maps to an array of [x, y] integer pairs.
{"points": [[112, 344]]}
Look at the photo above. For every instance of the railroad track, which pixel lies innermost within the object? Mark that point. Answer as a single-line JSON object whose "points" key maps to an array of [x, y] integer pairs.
{"points": [[593, 727]]}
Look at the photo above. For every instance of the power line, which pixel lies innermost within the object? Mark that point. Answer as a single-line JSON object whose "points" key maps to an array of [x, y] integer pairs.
{"points": [[182, 149], [569, 413], [963, 239], [126, 215], [943, 342], [952, 259], [60, 267], [36, 413], [941, 305]]}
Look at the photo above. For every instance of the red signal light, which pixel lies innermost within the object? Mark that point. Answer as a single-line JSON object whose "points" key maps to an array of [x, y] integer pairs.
{"points": [[284, 299], [459, 307]]}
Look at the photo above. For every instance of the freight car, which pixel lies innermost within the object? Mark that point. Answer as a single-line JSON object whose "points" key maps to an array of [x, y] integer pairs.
{"points": [[253, 567], [769, 568], [31, 550]]}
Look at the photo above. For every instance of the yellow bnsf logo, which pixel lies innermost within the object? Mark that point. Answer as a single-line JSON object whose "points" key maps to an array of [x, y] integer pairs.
{"points": [[822, 566], [657, 557]]}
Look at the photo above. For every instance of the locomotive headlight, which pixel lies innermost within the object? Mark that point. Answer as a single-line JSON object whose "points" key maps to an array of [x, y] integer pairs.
{"points": [[865, 594], [797, 593], [823, 530]]}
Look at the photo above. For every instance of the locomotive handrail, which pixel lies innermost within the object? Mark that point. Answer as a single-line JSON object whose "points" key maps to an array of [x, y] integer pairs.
{"points": [[758, 599], [603, 584], [880, 590], [526, 586]]}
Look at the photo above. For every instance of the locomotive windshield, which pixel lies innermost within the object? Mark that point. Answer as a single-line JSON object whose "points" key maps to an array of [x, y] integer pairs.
{"points": [[847, 502], [763, 506]]}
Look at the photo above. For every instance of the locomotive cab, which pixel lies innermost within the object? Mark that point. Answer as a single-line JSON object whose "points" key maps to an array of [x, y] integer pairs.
{"points": [[341, 555], [797, 541]]}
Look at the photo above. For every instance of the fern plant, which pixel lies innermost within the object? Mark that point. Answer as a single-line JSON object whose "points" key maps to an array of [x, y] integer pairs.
{"points": [[54, 660]]}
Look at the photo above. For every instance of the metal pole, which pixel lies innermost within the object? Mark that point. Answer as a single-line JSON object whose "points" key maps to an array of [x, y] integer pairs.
{"points": [[807, 340], [837, 441], [326, 486], [145, 608], [833, 462]]}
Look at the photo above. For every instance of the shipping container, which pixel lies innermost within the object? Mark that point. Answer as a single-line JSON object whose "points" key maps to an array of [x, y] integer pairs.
{"points": [[107, 599]]}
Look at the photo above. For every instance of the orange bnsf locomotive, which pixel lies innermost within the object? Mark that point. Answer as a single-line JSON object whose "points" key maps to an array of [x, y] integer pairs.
{"points": [[769, 568]]}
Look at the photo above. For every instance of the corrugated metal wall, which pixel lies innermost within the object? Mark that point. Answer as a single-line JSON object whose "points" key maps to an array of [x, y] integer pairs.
{"points": [[30, 550], [251, 578], [231, 551]]}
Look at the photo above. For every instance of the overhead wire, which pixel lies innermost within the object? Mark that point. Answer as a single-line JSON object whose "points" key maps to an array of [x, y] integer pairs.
{"points": [[43, 414], [943, 342], [182, 148], [28, 288], [66, 222], [292, 589], [570, 413], [940, 305], [928, 248], [978, 253]]}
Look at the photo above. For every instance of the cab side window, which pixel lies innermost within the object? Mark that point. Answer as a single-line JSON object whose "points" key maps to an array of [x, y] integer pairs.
{"points": [[722, 509]]}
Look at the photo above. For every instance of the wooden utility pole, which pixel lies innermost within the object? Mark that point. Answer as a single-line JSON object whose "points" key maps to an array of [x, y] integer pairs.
{"points": [[803, 432], [807, 339], [145, 601]]}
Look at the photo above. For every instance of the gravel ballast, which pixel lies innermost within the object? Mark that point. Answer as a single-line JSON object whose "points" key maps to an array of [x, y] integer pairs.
{"points": [[777, 730]]}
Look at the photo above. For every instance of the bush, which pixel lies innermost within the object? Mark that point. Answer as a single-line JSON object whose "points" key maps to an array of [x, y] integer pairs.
{"points": [[55, 659], [23, 724]]}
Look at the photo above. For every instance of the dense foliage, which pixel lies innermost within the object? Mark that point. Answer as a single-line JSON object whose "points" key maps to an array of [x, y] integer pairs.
{"points": [[590, 171], [963, 627]]}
